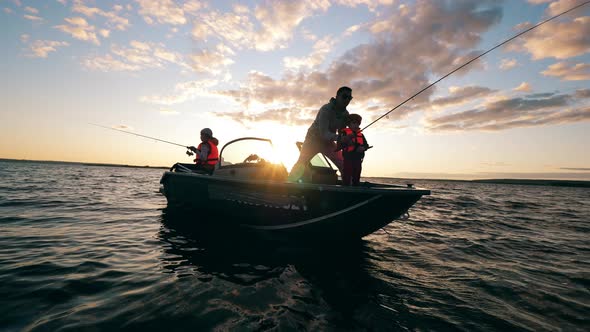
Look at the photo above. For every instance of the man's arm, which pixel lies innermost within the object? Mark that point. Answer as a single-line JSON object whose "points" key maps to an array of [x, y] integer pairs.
{"points": [[324, 125]]}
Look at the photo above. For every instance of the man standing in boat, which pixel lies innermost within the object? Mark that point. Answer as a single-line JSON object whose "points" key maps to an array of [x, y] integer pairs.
{"points": [[321, 135]]}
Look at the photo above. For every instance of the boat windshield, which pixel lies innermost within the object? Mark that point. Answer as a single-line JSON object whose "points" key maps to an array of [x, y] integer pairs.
{"points": [[249, 150], [320, 161]]}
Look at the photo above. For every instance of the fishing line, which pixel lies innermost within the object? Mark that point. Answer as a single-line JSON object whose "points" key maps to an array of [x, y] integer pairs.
{"points": [[128, 132], [477, 57]]}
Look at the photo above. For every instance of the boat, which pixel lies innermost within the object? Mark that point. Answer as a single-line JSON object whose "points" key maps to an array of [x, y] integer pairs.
{"points": [[248, 192]]}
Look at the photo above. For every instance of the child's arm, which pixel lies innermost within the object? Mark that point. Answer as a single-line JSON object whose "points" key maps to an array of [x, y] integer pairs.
{"points": [[365, 143]]}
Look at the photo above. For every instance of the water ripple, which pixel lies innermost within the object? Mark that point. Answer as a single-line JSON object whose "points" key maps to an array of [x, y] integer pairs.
{"points": [[93, 248]]}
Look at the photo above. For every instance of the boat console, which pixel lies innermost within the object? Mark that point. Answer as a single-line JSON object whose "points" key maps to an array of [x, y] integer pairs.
{"points": [[244, 158]]}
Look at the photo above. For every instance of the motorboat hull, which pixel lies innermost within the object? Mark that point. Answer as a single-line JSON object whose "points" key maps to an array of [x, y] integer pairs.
{"points": [[282, 210]]}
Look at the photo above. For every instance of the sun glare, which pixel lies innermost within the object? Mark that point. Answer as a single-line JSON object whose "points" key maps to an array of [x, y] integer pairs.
{"points": [[285, 154], [284, 142]]}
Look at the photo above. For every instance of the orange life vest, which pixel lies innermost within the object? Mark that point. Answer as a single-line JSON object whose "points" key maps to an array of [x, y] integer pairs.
{"points": [[212, 157], [357, 139]]}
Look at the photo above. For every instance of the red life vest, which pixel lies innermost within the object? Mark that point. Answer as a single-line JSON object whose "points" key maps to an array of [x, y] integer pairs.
{"points": [[212, 157], [357, 139]]}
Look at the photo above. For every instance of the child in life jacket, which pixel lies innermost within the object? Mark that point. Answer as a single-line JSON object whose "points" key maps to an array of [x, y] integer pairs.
{"points": [[206, 153], [354, 145]]}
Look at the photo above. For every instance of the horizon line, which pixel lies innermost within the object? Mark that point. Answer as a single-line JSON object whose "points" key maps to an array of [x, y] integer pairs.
{"points": [[400, 175]]}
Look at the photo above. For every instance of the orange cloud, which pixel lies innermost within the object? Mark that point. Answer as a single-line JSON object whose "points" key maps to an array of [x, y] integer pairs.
{"points": [[138, 56], [276, 20], [508, 64], [569, 72], [523, 87], [42, 48], [116, 21], [168, 11], [391, 68], [182, 92], [79, 28], [560, 40]]}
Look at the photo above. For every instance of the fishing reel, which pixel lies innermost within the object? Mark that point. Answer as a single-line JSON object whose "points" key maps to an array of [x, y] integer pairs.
{"points": [[191, 150]]}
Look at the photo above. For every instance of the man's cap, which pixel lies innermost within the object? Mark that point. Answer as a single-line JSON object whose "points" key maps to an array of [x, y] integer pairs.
{"points": [[207, 131]]}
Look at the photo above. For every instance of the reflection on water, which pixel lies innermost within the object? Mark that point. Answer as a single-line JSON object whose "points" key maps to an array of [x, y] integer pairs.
{"points": [[334, 277]]}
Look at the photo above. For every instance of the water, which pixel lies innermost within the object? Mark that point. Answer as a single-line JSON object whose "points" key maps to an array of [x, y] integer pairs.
{"points": [[93, 248]]}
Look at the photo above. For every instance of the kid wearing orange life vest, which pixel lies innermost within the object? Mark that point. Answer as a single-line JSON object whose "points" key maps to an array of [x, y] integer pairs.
{"points": [[354, 145], [206, 153]]}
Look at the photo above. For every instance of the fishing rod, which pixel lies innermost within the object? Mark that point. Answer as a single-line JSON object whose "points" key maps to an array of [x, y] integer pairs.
{"points": [[128, 132], [477, 57]]}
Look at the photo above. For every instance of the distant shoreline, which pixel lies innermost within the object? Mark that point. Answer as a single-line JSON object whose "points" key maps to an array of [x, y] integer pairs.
{"points": [[555, 183], [81, 163], [528, 182], [533, 182]]}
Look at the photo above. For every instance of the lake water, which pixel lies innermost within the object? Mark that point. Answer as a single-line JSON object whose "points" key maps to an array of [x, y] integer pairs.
{"points": [[93, 248]]}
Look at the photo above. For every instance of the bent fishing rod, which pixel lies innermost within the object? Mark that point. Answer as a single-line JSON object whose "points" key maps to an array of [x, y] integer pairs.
{"points": [[477, 57], [140, 135]]}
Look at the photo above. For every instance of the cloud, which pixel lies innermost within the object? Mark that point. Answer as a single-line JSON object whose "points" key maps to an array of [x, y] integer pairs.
{"points": [[241, 9], [33, 18], [508, 64], [461, 95], [8, 10], [308, 35], [42, 48], [559, 6], [114, 20], [557, 39], [352, 29], [31, 10], [582, 93], [138, 56], [212, 62], [392, 67], [269, 26], [583, 169], [279, 19], [320, 49], [371, 4], [108, 63], [104, 33], [523, 87], [79, 28], [234, 29], [569, 72], [167, 11], [182, 92], [285, 116], [528, 111]]}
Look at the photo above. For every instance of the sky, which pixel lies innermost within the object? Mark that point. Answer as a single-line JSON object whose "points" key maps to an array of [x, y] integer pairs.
{"points": [[166, 69]]}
